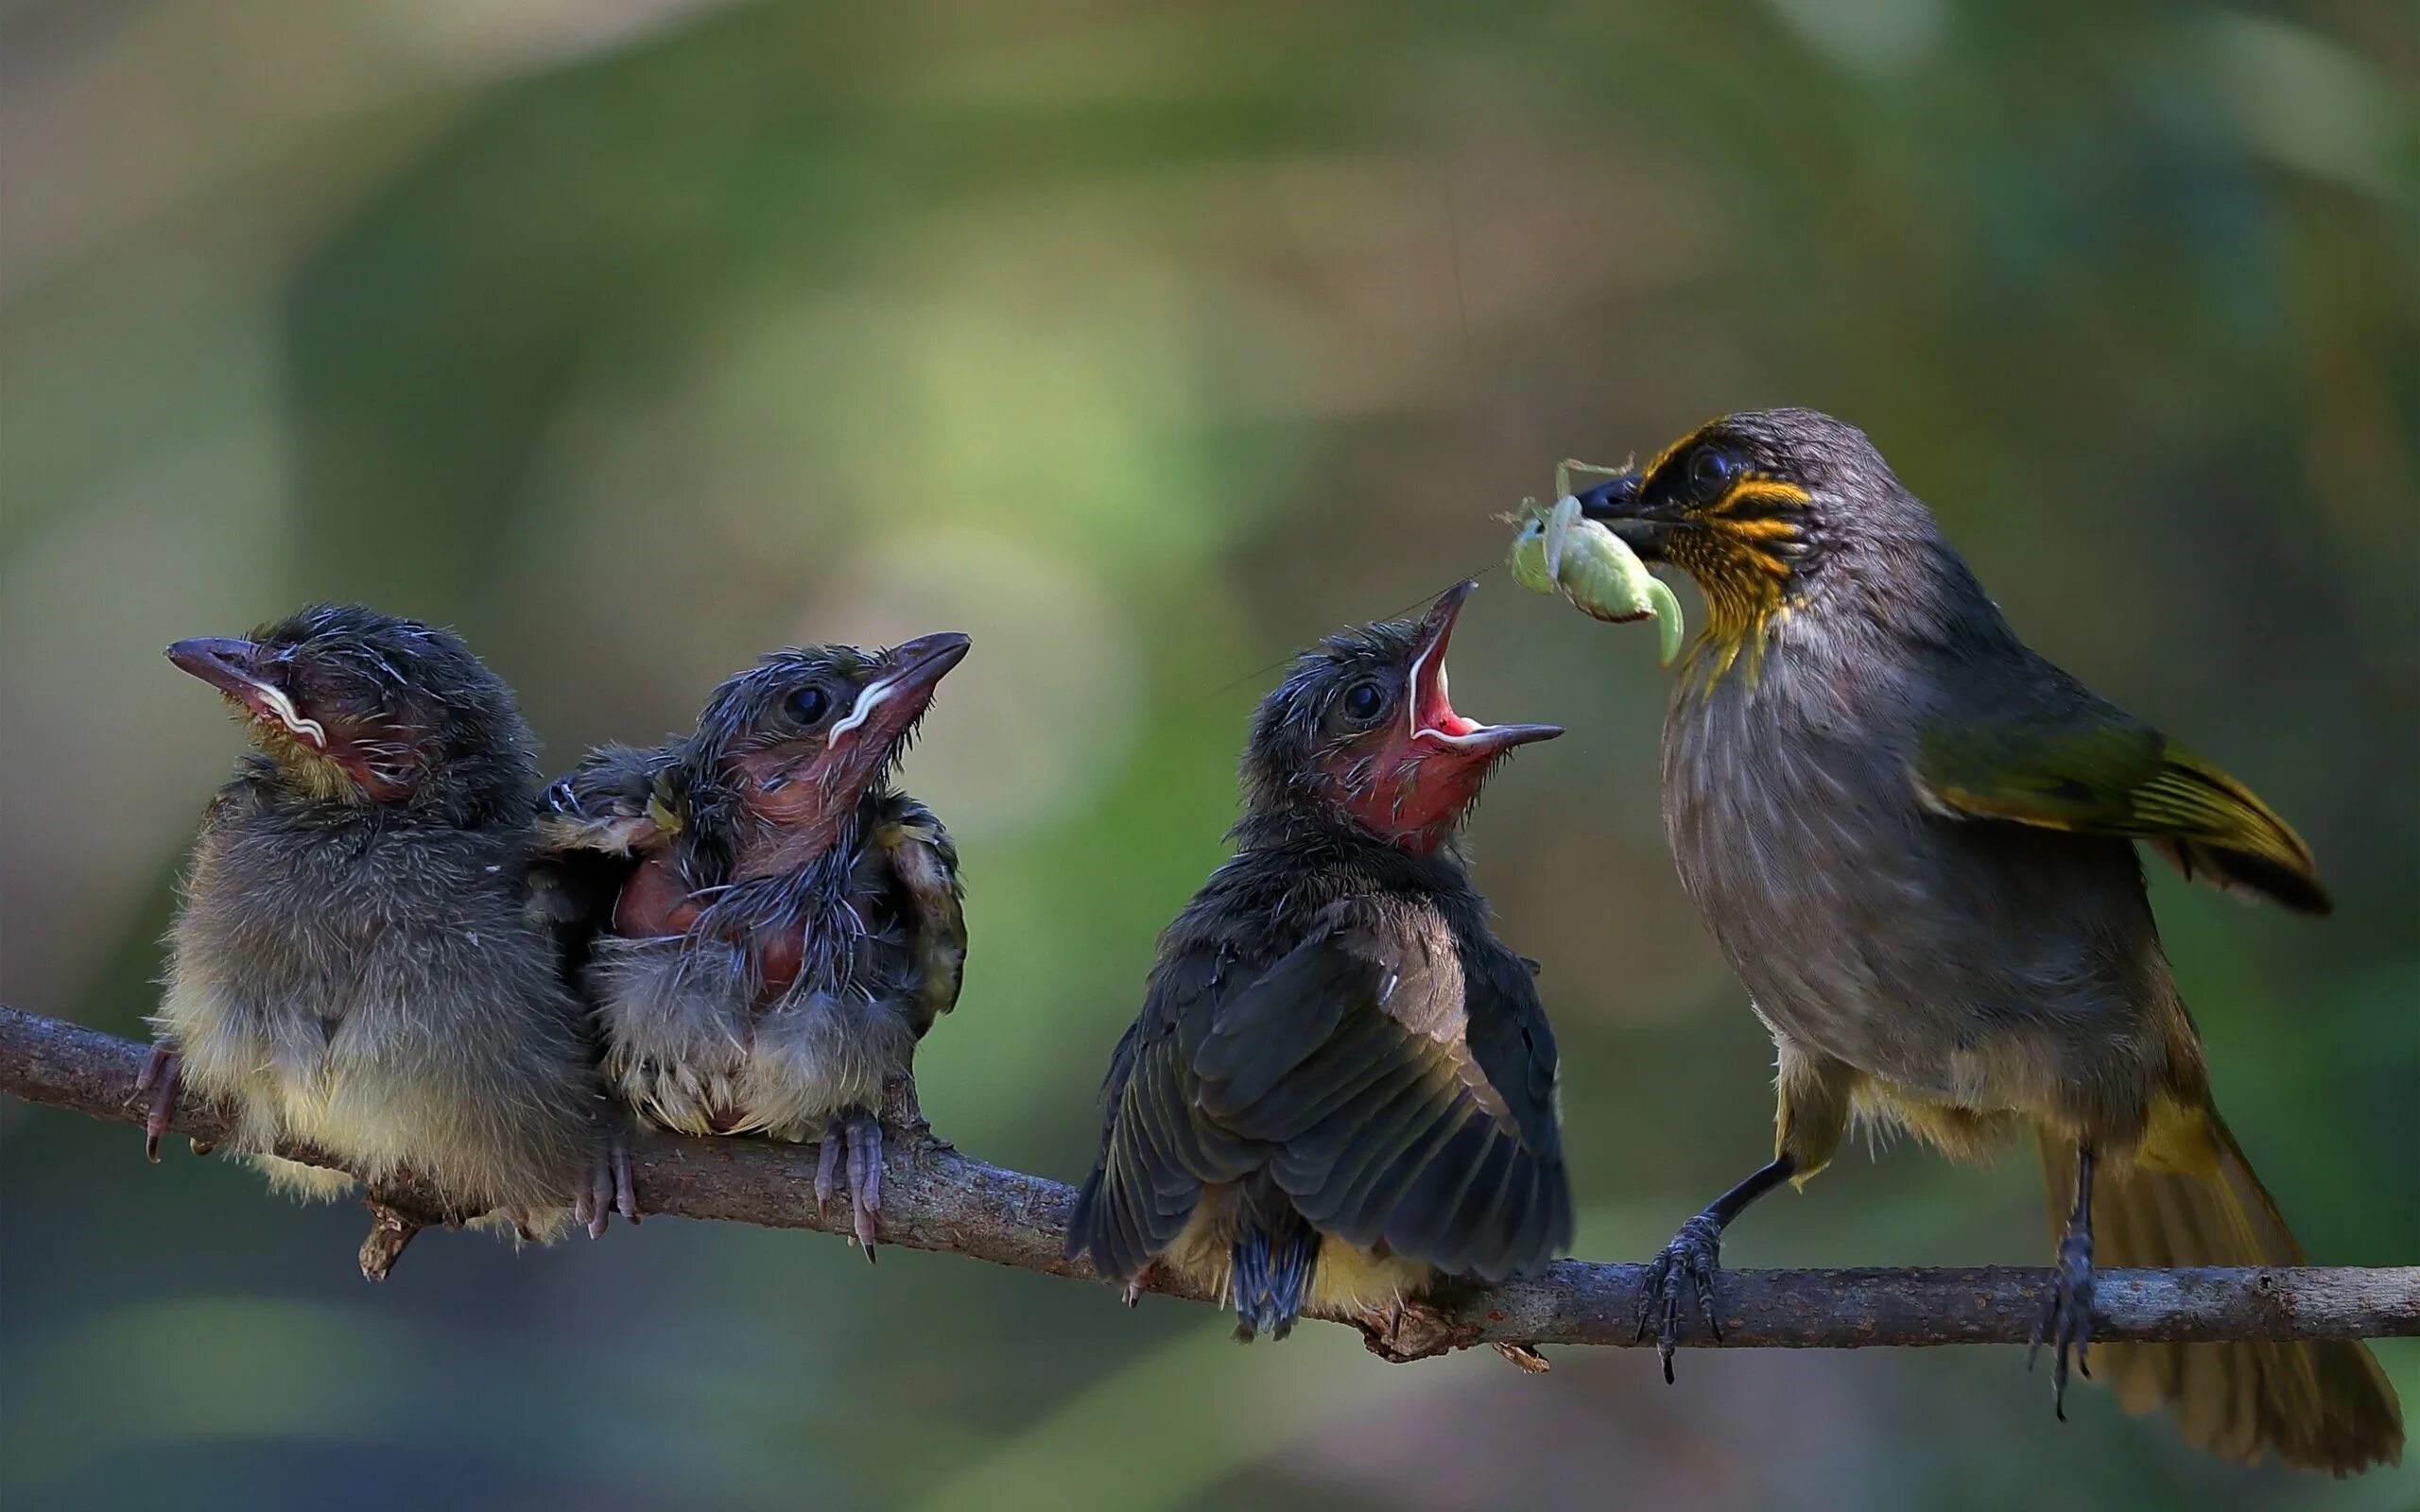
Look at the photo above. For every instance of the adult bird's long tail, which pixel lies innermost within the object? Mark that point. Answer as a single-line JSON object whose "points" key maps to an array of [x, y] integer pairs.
{"points": [[2192, 1199]]}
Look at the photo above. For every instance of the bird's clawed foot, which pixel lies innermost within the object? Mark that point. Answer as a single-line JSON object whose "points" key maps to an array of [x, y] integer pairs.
{"points": [[611, 1189], [1402, 1332], [1135, 1284], [859, 1132], [2066, 1316], [1687, 1265], [158, 1082]]}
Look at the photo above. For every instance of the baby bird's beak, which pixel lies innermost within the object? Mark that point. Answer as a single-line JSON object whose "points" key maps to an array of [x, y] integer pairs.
{"points": [[899, 695], [232, 667], [1430, 717]]}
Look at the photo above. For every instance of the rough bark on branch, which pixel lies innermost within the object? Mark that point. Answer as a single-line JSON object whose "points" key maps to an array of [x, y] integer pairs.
{"points": [[936, 1197]]}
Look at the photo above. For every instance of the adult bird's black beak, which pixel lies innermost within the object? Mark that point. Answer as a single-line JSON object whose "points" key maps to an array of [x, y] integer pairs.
{"points": [[1617, 502]]}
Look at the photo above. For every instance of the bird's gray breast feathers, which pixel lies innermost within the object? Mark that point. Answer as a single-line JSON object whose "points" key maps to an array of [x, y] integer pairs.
{"points": [[1950, 958]]}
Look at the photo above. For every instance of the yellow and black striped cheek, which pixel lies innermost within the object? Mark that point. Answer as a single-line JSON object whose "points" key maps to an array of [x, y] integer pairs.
{"points": [[1742, 549]]}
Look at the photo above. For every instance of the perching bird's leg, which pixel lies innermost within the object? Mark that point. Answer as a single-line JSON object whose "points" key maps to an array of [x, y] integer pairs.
{"points": [[609, 1188], [860, 1132], [1134, 1286], [827, 1168], [1689, 1261], [159, 1080], [625, 1193], [2066, 1302]]}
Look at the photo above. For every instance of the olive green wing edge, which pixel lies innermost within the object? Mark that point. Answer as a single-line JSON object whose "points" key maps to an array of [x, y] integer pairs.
{"points": [[2124, 780]]}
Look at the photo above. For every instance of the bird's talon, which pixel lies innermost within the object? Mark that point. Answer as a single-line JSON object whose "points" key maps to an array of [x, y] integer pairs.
{"points": [[2066, 1323], [858, 1133], [827, 1169], [159, 1080], [626, 1196], [1688, 1264]]}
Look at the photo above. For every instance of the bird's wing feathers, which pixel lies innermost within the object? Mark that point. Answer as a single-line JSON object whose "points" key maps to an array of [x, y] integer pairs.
{"points": [[921, 855], [1401, 1095], [609, 804], [2079, 765], [594, 826], [1157, 1152], [1405, 1095]]}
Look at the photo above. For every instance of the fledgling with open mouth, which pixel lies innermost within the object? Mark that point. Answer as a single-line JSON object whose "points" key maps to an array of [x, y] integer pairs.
{"points": [[1340, 1089]]}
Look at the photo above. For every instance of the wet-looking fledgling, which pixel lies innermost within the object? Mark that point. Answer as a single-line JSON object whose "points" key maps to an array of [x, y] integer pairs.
{"points": [[766, 925]]}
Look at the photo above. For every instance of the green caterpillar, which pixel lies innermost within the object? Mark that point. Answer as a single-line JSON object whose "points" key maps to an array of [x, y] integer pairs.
{"points": [[1602, 577]]}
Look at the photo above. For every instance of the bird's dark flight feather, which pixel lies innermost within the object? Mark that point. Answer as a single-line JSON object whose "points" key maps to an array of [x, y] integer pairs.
{"points": [[1392, 1073]]}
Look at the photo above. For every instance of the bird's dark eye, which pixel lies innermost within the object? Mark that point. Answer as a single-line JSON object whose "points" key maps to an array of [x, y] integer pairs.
{"points": [[810, 704], [1710, 473], [1364, 701]]}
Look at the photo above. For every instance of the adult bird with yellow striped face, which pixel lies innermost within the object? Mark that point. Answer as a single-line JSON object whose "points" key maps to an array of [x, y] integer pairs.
{"points": [[1915, 839]]}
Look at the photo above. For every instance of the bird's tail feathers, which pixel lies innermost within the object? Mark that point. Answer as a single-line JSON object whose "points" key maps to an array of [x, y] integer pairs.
{"points": [[1270, 1261], [2191, 1199]]}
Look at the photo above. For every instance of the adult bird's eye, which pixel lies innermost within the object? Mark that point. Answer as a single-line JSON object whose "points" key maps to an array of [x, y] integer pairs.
{"points": [[1709, 474], [1364, 701], [810, 704]]}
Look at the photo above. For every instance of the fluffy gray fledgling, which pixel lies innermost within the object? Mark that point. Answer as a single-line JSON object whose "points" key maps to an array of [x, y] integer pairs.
{"points": [[352, 964]]}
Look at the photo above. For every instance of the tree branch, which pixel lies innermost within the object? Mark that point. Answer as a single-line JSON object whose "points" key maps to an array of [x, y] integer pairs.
{"points": [[936, 1198]]}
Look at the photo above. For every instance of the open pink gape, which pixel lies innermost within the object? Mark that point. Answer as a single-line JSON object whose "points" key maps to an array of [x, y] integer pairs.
{"points": [[1435, 760]]}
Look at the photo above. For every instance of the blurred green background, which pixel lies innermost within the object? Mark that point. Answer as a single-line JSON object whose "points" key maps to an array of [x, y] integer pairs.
{"points": [[637, 337]]}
